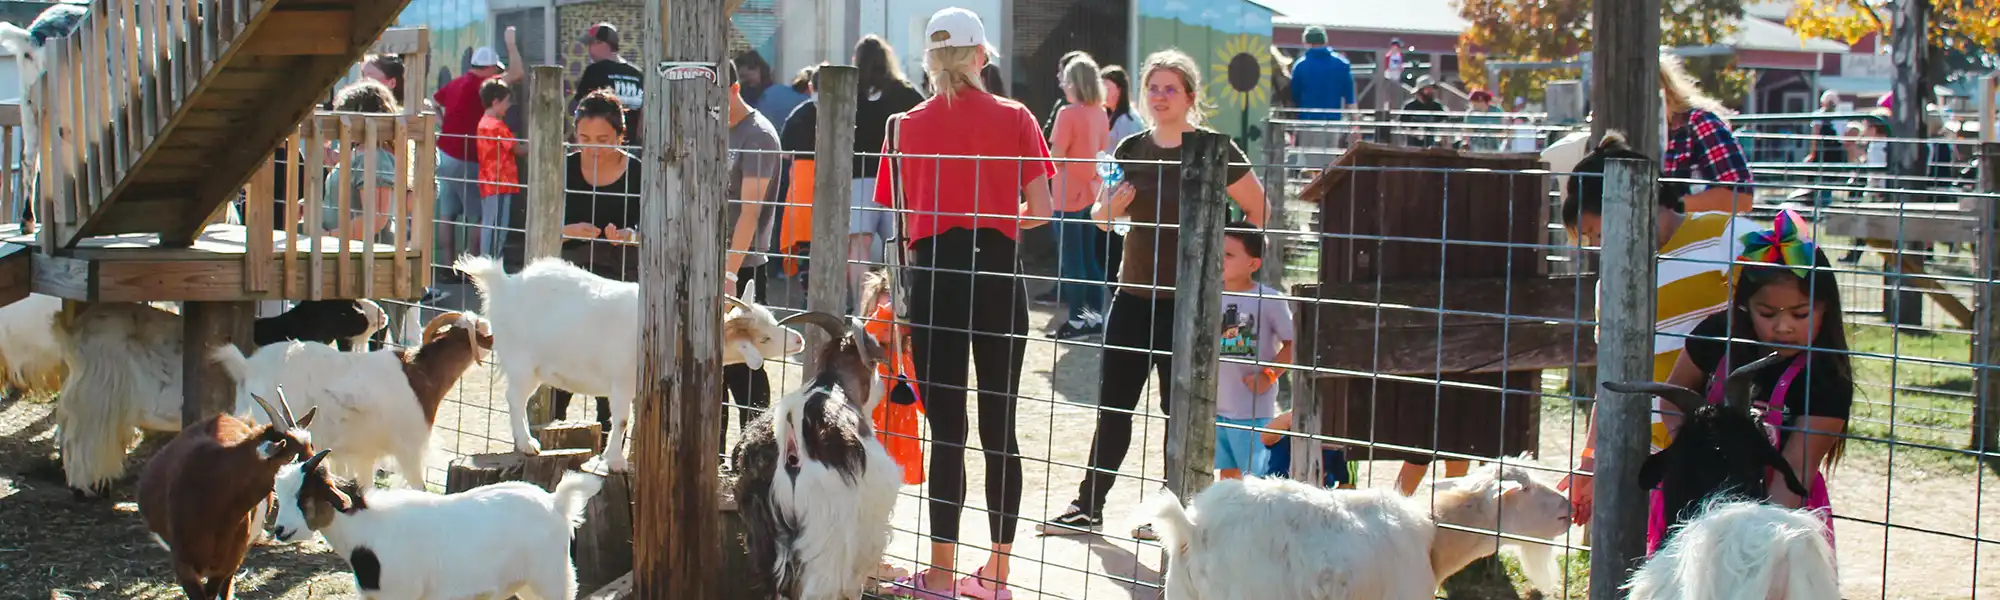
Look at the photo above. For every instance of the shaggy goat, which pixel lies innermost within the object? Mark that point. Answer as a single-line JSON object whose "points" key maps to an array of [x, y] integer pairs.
{"points": [[1742, 550], [31, 360], [492, 541], [196, 495], [814, 485], [379, 403], [124, 363], [1293, 541], [1720, 450], [556, 323]]}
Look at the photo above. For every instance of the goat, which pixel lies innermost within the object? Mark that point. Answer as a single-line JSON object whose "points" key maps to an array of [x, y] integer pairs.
{"points": [[57, 21], [326, 321], [196, 495], [1742, 550], [814, 486], [31, 360], [1720, 450], [492, 541], [556, 323], [380, 403], [1293, 541], [124, 362]]}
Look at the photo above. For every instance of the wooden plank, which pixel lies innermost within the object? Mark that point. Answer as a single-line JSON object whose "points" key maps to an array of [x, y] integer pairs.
{"points": [[400, 41], [205, 388], [425, 217], [1623, 432], [345, 201], [17, 273], [314, 227], [302, 32], [618, 589], [833, 164], [1913, 271], [295, 170], [1348, 309], [371, 139], [1899, 225], [64, 277], [604, 541], [399, 207], [189, 280], [256, 222], [1197, 314], [1985, 436]]}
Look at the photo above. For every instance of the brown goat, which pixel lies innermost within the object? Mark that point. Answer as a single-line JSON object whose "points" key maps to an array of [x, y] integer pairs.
{"points": [[197, 493], [452, 342]]}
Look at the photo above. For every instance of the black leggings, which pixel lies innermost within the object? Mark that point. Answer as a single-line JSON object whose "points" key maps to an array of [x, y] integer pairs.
{"points": [[944, 305], [751, 388], [1136, 324]]}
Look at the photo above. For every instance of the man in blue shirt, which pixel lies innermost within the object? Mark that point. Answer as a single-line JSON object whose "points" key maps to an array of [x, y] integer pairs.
{"points": [[1321, 81]]}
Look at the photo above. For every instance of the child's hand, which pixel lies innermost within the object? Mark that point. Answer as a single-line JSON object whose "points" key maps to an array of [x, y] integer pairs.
{"points": [[1259, 382], [613, 233], [510, 36], [580, 230]]}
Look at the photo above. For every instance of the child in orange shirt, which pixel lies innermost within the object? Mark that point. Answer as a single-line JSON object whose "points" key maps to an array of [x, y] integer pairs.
{"points": [[499, 177], [896, 421]]}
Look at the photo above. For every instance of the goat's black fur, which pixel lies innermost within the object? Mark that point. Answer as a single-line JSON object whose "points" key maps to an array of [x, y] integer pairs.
{"points": [[834, 426], [1719, 450], [323, 321]]}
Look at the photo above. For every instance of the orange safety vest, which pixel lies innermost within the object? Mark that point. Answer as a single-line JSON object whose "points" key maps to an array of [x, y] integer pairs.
{"points": [[796, 229], [896, 425]]}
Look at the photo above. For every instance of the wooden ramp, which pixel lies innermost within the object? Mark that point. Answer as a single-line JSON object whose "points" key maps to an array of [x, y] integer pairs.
{"points": [[161, 110]]}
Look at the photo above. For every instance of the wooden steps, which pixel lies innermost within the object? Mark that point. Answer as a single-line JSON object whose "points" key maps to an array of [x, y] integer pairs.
{"points": [[216, 267], [189, 107]]}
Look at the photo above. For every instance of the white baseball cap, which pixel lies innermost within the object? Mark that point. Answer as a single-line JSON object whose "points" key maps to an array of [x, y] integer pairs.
{"points": [[484, 56], [954, 28]]}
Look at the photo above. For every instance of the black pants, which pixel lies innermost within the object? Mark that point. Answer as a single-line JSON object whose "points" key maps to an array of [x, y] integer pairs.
{"points": [[1136, 324], [750, 388], [953, 311]]}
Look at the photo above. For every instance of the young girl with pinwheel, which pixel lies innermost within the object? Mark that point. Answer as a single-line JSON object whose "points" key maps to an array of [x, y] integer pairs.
{"points": [[1785, 300]]}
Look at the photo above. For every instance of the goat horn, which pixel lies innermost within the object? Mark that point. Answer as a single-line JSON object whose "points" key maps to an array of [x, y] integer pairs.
{"points": [[438, 323], [834, 326], [313, 463], [290, 421], [1736, 389], [277, 418], [1682, 398]]}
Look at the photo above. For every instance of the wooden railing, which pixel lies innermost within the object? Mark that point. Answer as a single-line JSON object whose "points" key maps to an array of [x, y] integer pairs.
{"points": [[14, 181], [323, 148], [110, 87]]}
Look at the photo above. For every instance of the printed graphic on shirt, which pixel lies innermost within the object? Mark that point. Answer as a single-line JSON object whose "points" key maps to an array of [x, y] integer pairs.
{"points": [[630, 90], [1239, 333]]}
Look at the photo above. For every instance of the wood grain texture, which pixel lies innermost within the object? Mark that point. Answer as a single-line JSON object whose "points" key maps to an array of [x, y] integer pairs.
{"points": [[1625, 78], [205, 389], [604, 541], [1197, 314], [467, 472], [1624, 353], [1986, 417], [833, 169], [677, 540], [546, 165], [588, 435], [1416, 327]]}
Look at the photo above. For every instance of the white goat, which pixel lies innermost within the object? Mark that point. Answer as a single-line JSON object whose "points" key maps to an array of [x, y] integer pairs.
{"points": [[31, 359], [1286, 540], [815, 486], [124, 376], [556, 323], [28, 45], [1742, 550], [378, 404], [493, 541]]}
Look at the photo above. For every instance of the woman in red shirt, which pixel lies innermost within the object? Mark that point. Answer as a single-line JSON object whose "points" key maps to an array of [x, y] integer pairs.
{"points": [[963, 217]]}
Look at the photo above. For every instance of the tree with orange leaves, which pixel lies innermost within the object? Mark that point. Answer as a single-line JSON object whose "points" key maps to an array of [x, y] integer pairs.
{"points": [[1963, 33], [1552, 30]]}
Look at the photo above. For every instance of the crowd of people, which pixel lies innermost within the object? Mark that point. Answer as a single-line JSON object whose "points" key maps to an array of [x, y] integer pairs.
{"points": [[954, 227]]}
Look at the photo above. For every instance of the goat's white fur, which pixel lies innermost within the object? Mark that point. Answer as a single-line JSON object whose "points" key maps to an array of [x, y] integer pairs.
{"points": [[1739, 550], [368, 410], [844, 528], [559, 324], [31, 359], [492, 541], [124, 375], [1287, 540]]}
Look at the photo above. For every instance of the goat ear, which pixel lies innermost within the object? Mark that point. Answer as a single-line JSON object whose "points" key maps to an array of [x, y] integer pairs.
{"points": [[1771, 456], [1654, 468], [750, 291], [268, 449], [1510, 489], [751, 357]]}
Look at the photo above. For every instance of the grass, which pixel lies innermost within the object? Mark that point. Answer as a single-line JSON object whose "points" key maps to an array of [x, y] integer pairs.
{"points": [[1912, 402]]}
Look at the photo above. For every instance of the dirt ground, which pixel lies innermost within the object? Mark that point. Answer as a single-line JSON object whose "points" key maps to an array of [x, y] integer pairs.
{"points": [[52, 546]]}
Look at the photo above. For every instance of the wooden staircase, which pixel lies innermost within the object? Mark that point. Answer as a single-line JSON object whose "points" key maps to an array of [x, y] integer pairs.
{"points": [[155, 112]]}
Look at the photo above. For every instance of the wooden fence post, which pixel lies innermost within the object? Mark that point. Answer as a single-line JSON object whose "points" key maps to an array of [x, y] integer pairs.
{"points": [[1625, 73], [1624, 353], [1986, 422], [677, 532], [205, 389], [545, 191], [833, 173], [1197, 314], [1275, 171]]}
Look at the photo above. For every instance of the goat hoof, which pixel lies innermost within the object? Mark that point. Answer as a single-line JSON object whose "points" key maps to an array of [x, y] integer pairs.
{"points": [[532, 448], [616, 465]]}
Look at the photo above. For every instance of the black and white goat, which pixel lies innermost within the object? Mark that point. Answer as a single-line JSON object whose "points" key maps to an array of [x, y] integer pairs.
{"points": [[814, 485], [1720, 450]]}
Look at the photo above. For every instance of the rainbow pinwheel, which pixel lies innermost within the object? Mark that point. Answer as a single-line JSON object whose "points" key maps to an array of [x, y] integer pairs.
{"points": [[1785, 244]]}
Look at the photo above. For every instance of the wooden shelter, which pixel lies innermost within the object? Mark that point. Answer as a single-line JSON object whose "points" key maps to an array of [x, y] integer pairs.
{"points": [[1433, 271]]}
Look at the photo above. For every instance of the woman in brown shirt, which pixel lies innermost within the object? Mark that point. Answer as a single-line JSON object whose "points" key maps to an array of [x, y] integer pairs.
{"points": [[1139, 329]]}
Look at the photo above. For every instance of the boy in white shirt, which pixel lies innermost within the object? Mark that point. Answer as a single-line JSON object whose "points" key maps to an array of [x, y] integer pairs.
{"points": [[1256, 326]]}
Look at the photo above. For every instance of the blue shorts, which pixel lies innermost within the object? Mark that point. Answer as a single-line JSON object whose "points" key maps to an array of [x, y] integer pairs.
{"points": [[1239, 448]]}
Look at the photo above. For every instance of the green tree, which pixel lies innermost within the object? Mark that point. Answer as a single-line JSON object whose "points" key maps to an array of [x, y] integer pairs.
{"points": [[1550, 30]]}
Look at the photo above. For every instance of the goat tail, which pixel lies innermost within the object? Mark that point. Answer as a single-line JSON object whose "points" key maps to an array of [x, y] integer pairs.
{"points": [[1176, 527], [232, 361], [574, 493], [487, 274]]}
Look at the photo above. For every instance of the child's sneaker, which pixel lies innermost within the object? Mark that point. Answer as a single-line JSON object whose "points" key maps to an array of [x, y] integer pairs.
{"points": [[1075, 521]]}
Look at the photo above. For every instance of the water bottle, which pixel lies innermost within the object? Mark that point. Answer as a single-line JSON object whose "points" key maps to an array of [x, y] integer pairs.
{"points": [[1112, 174]]}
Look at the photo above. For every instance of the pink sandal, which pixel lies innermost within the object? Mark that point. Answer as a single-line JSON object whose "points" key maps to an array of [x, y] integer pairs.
{"points": [[913, 587], [970, 586]]}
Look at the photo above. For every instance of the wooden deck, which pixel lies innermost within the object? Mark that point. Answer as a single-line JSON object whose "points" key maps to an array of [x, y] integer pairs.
{"points": [[219, 267]]}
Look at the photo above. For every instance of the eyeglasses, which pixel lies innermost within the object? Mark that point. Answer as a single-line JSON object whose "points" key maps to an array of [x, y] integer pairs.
{"points": [[1165, 90]]}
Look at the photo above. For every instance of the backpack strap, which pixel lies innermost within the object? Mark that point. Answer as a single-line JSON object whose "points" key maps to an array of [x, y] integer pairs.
{"points": [[896, 251]]}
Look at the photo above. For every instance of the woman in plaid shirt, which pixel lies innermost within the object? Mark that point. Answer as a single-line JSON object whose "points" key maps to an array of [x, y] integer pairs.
{"points": [[1700, 146]]}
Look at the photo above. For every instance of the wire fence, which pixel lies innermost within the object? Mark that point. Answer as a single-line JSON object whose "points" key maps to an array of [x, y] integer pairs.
{"points": [[1437, 312]]}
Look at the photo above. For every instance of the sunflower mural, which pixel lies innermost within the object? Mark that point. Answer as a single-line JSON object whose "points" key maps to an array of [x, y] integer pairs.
{"points": [[1233, 40]]}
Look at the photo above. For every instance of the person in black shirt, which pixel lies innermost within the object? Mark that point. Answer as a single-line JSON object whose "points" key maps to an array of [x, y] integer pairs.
{"points": [[608, 69], [1426, 101], [600, 207]]}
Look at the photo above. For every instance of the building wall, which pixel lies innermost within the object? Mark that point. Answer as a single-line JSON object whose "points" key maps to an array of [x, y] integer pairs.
{"points": [[1231, 41], [1044, 30]]}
